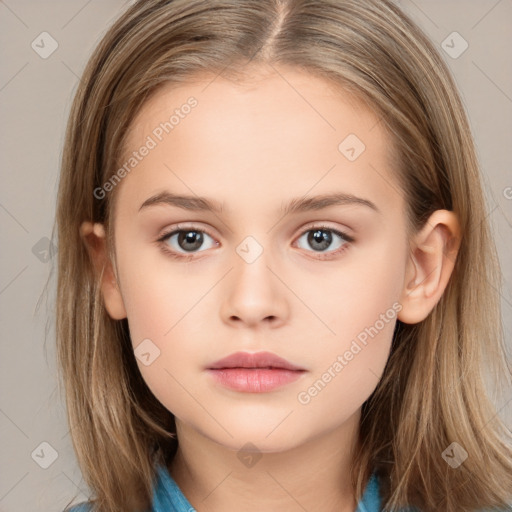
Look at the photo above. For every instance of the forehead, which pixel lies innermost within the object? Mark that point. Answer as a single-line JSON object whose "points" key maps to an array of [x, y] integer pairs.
{"points": [[275, 132], [289, 94]]}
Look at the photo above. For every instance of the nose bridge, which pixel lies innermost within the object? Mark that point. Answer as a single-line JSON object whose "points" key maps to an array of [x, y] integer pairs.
{"points": [[254, 293]]}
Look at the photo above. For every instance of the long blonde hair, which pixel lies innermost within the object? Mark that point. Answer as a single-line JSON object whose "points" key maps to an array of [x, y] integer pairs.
{"points": [[433, 390]]}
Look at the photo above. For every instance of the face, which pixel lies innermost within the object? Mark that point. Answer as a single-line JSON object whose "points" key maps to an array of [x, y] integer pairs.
{"points": [[318, 286]]}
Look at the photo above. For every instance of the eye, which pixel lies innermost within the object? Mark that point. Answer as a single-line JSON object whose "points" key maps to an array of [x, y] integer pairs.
{"points": [[321, 238], [184, 241]]}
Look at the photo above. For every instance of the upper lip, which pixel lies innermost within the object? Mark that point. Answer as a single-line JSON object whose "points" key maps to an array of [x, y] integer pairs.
{"points": [[253, 360]]}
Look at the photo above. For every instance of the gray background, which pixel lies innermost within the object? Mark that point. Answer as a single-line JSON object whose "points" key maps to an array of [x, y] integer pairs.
{"points": [[35, 97]]}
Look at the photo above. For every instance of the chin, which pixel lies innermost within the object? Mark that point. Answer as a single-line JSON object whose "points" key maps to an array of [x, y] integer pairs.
{"points": [[258, 440]]}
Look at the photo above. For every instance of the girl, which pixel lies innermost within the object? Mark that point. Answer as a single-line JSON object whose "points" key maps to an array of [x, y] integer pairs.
{"points": [[321, 345]]}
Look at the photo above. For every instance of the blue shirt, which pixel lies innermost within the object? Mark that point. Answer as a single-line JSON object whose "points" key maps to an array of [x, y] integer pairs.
{"points": [[167, 496]]}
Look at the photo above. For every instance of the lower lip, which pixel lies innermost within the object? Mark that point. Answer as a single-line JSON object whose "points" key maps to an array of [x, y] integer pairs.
{"points": [[259, 380]]}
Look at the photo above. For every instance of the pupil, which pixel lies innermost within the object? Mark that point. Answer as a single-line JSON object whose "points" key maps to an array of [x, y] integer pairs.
{"points": [[321, 237], [190, 237]]}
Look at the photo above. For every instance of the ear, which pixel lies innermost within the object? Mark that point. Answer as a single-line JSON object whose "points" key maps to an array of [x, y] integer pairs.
{"points": [[94, 238], [431, 261]]}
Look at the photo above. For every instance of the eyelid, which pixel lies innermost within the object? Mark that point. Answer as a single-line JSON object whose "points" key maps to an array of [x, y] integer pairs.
{"points": [[183, 227], [324, 225], [309, 227]]}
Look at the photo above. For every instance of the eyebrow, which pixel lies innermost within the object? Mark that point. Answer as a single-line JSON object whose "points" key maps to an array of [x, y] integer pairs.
{"points": [[300, 204]]}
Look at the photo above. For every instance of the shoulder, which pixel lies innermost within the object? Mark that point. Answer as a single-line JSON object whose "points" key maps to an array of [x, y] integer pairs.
{"points": [[81, 507], [167, 496], [371, 499]]}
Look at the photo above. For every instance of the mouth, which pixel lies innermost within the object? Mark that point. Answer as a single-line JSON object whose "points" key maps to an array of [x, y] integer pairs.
{"points": [[254, 373], [258, 360]]}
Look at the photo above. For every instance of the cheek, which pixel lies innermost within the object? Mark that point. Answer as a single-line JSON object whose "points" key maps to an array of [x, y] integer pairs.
{"points": [[360, 307], [353, 294], [156, 292], [166, 319]]}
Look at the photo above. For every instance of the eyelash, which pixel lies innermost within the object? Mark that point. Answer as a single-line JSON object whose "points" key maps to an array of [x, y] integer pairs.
{"points": [[188, 257]]}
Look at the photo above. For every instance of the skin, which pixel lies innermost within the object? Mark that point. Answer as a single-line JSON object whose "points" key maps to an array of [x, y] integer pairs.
{"points": [[253, 146]]}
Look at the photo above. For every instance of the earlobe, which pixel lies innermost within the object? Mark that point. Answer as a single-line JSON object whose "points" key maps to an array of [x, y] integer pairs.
{"points": [[430, 265], [94, 239]]}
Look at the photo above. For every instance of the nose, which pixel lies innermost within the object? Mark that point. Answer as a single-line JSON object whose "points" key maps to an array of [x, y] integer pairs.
{"points": [[255, 294]]}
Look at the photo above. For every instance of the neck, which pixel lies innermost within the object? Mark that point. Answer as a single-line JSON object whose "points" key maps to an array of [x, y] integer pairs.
{"points": [[312, 476]]}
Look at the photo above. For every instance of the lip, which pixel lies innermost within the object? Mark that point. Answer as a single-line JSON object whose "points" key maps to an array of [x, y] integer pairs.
{"points": [[254, 360], [254, 372]]}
